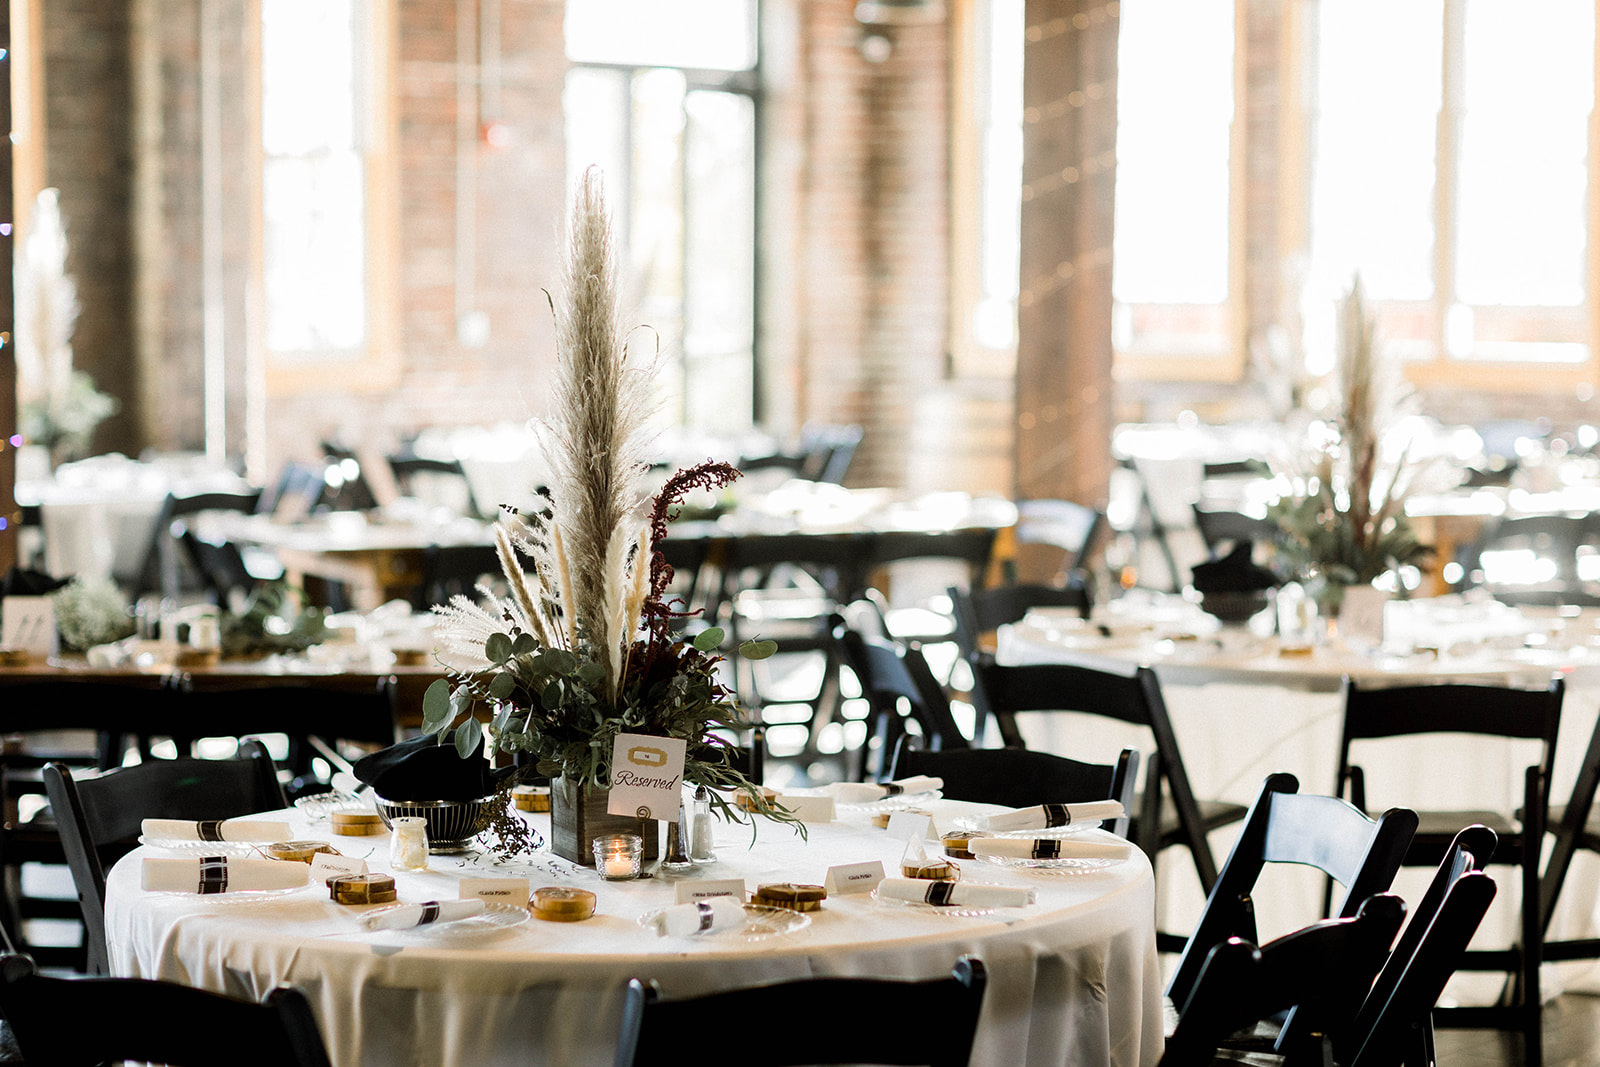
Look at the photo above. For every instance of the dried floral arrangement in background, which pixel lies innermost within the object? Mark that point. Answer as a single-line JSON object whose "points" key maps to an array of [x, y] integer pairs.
{"points": [[1345, 523], [58, 405]]}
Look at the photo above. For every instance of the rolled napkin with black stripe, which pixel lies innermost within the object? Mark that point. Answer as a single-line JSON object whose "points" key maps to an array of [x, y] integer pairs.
{"points": [[702, 917], [1047, 848], [867, 792], [215, 830], [974, 894], [220, 874], [1053, 816], [431, 913]]}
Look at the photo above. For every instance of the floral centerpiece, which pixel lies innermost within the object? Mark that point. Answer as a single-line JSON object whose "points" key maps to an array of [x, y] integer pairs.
{"points": [[1344, 524], [582, 645]]}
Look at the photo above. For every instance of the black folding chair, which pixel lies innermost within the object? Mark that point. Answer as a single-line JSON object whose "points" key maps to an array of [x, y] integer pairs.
{"points": [[85, 1022], [1319, 974], [852, 1020], [100, 818], [902, 694], [1285, 826], [1489, 711], [1394, 1025], [1008, 691]]}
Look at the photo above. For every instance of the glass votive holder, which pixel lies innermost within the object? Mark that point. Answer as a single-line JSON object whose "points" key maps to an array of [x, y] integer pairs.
{"points": [[617, 856], [408, 845]]}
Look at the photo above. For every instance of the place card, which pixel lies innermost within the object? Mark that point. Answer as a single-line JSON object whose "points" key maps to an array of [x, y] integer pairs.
{"points": [[647, 776], [806, 808], [692, 889], [327, 865], [29, 622], [912, 826], [513, 891], [854, 878]]}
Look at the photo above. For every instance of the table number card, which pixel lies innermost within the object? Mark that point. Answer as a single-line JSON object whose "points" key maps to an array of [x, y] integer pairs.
{"points": [[325, 865], [29, 623], [854, 878], [647, 776], [513, 891], [693, 889]]}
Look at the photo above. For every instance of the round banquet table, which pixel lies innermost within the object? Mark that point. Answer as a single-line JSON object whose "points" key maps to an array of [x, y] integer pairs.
{"points": [[1073, 978]]}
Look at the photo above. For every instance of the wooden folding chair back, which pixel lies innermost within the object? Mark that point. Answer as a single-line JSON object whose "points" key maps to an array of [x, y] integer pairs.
{"points": [[1284, 826], [1394, 1024], [84, 1022], [851, 1020], [1319, 974]]}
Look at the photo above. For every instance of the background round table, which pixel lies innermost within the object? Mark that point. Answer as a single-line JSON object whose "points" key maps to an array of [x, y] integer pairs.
{"points": [[1073, 978]]}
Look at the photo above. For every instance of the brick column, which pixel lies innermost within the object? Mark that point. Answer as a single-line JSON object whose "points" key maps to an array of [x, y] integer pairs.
{"points": [[1064, 385]]}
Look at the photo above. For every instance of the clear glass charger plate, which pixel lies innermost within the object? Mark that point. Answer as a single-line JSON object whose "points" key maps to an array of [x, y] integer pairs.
{"points": [[319, 806], [1061, 865], [760, 924], [898, 802], [922, 907], [492, 920], [233, 896], [205, 848]]}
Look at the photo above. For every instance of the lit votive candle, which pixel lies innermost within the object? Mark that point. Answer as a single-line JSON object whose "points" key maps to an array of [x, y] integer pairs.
{"points": [[616, 856]]}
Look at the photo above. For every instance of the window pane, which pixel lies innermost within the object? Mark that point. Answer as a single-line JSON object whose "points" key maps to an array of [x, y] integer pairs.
{"points": [[711, 34], [999, 115], [1528, 88], [314, 255], [596, 109], [719, 271], [1171, 244], [313, 191], [1377, 98]]}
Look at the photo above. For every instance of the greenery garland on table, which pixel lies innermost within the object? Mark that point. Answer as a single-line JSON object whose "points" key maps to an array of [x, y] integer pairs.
{"points": [[582, 645]]}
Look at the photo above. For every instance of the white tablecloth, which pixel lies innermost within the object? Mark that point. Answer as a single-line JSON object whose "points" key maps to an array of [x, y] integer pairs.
{"points": [[1072, 979]]}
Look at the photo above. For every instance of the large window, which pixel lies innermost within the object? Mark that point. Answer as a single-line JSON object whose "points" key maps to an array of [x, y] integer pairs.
{"points": [[661, 97], [322, 141], [1171, 277], [1450, 171]]}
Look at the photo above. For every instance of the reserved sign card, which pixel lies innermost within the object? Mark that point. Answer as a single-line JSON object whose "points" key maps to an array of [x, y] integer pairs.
{"points": [[28, 622], [647, 776], [854, 878]]}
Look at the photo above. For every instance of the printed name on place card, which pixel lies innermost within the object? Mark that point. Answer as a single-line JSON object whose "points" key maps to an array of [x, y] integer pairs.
{"points": [[325, 865], [854, 878], [693, 889], [513, 891]]}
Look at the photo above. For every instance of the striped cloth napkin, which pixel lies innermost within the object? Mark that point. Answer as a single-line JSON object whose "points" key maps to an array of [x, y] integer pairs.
{"points": [[215, 830], [1051, 816], [220, 874]]}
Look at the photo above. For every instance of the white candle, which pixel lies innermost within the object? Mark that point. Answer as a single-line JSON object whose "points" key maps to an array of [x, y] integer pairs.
{"points": [[619, 865]]}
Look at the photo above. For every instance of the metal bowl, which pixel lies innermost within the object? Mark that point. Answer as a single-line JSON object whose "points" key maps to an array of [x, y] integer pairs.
{"points": [[1235, 607], [452, 824]]}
